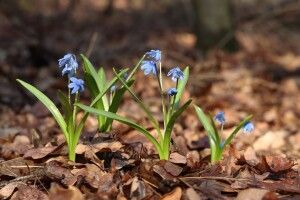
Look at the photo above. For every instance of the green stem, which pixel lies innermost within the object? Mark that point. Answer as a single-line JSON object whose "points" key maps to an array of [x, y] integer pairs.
{"points": [[174, 99], [160, 84]]}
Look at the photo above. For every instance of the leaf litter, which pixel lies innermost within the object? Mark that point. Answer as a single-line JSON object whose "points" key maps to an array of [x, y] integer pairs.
{"points": [[264, 165]]}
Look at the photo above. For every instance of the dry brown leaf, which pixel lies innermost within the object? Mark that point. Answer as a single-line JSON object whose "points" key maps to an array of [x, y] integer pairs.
{"points": [[107, 188], [267, 141], [252, 194], [193, 159], [8, 189], [173, 195], [56, 171], [16, 167], [177, 158], [162, 172], [112, 146], [28, 192], [191, 194], [250, 157], [138, 189], [58, 193], [173, 169], [94, 174], [38, 153], [279, 163]]}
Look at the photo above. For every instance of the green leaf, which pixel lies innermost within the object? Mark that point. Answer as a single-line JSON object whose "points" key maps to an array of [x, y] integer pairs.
{"points": [[124, 121], [102, 78], [135, 68], [68, 112], [170, 125], [94, 83], [49, 105], [116, 101], [107, 88], [236, 130], [207, 124], [141, 104], [181, 87]]}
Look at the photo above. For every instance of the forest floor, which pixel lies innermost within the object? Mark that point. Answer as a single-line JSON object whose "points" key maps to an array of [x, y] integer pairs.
{"points": [[262, 78]]}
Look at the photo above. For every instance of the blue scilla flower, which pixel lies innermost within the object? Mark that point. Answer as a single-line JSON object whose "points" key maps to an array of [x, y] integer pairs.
{"points": [[248, 127], [68, 64], [172, 91], [113, 88], [149, 67], [220, 117], [76, 85], [176, 74], [155, 55]]}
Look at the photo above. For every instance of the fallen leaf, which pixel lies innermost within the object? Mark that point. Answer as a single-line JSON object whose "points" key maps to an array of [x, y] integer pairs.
{"points": [[162, 172], [112, 146], [56, 171], [191, 194], [107, 188], [279, 163], [267, 141], [138, 189], [173, 169], [38, 153], [250, 157], [58, 193], [8, 189], [173, 195], [177, 158], [251, 194], [28, 192]]}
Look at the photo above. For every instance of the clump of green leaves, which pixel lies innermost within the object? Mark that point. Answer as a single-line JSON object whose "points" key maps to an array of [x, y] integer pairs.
{"points": [[170, 102], [67, 122], [217, 145]]}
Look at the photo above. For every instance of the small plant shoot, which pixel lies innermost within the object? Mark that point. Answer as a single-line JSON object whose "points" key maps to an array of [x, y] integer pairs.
{"points": [[217, 145]]}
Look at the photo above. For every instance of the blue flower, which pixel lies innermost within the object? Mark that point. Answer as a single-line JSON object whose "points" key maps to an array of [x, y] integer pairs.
{"points": [[248, 127], [172, 91], [176, 74], [113, 88], [220, 117], [149, 67], [155, 55], [68, 64], [76, 85]]}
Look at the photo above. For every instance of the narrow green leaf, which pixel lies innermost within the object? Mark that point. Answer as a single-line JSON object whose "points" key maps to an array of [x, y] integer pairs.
{"points": [[141, 104], [68, 112], [49, 104], [135, 68], [170, 125], [236, 130], [124, 121], [94, 83], [116, 101], [206, 122], [107, 88], [97, 98], [102, 78], [181, 87]]}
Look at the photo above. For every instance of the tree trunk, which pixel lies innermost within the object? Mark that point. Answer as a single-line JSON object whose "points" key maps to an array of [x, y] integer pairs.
{"points": [[213, 23]]}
